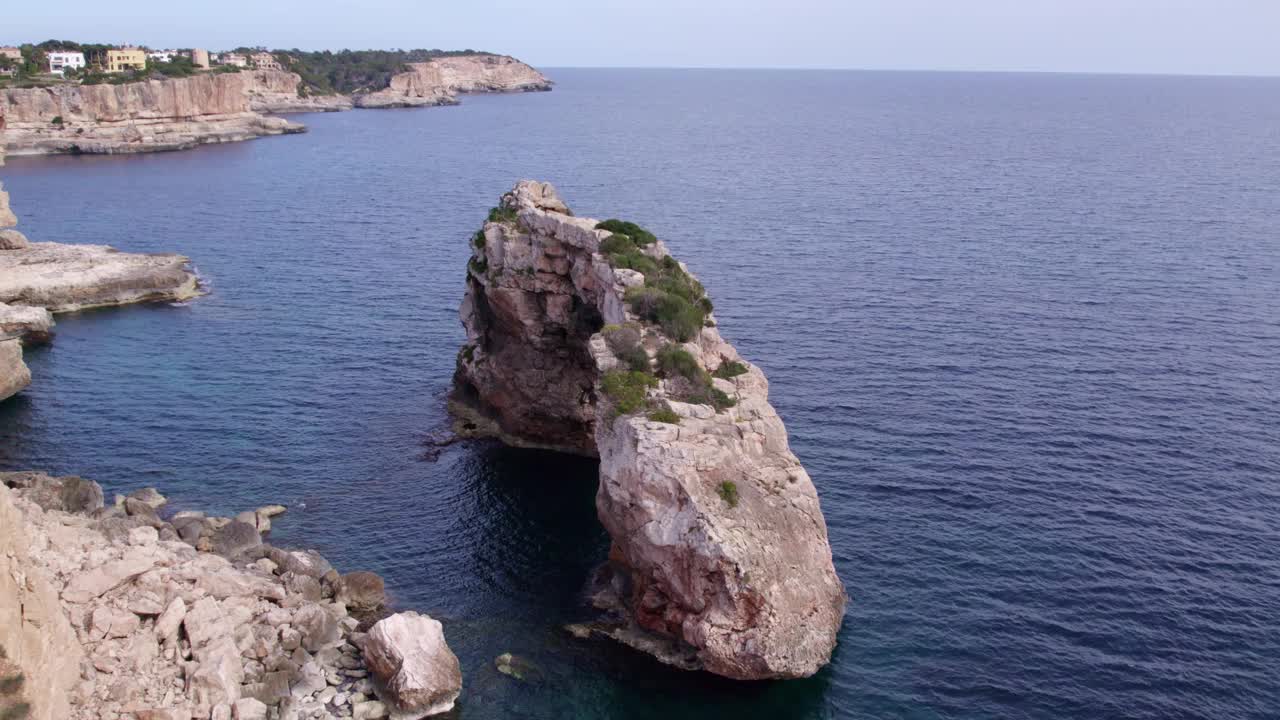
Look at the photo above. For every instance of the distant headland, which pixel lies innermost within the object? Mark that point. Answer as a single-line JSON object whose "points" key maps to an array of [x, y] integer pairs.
{"points": [[67, 97]]}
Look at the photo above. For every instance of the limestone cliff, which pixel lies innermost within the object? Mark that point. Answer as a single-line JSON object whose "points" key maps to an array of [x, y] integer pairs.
{"points": [[438, 81], [590, 337], [37, 643], [148, 116], [279, 91]]}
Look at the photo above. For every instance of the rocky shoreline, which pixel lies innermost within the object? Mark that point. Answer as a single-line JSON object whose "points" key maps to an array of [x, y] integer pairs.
{"points": [[590, 337], [39, 279], [113, 612], [182, 113]]}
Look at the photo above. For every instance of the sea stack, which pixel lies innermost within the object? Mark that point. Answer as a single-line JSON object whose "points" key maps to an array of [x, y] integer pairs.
{"points": [[590, 337]]}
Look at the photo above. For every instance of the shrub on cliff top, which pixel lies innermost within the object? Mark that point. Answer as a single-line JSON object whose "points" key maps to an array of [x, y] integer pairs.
{"points": [[665, 414], [624, 342], [729, 369], [674, 360], [627, 389], [636, 234], [503, 214]]}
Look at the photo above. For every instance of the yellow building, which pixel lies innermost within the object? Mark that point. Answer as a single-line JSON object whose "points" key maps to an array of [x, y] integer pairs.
{"points": [[126, 59]]}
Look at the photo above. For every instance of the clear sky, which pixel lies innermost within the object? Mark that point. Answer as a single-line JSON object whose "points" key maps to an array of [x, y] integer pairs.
{"points": [[1139, 36]]}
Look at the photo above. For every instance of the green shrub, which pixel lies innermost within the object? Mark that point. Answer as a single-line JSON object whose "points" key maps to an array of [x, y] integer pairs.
{"points": [[665, 415], [634, 260], [12, 684], [637, 234], [678, 317], [479, 265], [729, 369], [728, 491], [616, 245], [674, 360], [57, 120], [478, 240], [502, 214], [710, 395], [627, 389], [21, 711]]}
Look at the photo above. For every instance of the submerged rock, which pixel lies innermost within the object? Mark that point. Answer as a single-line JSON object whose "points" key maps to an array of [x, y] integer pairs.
{"points": [[591, 338]]}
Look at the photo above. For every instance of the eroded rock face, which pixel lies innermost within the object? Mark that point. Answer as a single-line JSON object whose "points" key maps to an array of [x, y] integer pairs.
{"points": [[36, 637], [277, 91], [19, 325], [72, 277], [437, 81], [171, 114], [720, 553]]}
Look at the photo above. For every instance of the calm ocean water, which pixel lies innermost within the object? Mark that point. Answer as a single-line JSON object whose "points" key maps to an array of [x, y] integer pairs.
{"points": [[1024, 330]]}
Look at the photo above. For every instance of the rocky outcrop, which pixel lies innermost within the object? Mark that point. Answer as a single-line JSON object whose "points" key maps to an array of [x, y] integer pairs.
{"points": [[111, 612], [279, 91], [36, 278], [62, 277], [596, 340], [154, 115], [438, 81]]}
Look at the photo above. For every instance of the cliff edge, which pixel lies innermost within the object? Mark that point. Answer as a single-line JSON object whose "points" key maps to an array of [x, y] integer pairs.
{"points": [[439, 80], [590, 337], [150, 116]]}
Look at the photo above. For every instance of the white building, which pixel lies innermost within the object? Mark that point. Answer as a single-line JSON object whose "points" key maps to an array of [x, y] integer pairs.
{"points": [[234, 59], [60, 62], [163, 56]]}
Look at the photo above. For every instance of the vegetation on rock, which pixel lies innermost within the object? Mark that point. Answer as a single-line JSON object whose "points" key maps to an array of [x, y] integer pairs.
{"points": [[347, 71], [729, 369], [665, 414], [627, 389], [728, 491], [502, 214]]}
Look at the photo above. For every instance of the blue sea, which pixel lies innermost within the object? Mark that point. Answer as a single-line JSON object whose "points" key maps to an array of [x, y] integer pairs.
{"points": [[1024, 331]]}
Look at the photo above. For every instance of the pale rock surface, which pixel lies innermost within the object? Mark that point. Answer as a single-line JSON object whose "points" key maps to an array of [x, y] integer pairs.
{"points": [[73, 277], [12, 239], [165, 631], [418, 675], [35, 635], [14, 373], [7, 218], [278, 91], [743, 588], [170, 114], [439, 80]]}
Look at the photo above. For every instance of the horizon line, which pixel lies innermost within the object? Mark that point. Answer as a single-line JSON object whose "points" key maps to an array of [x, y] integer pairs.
{"points": [[964, 71]]}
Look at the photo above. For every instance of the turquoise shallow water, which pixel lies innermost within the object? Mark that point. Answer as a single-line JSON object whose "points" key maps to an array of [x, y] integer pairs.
{"points": [[1024, 330]]}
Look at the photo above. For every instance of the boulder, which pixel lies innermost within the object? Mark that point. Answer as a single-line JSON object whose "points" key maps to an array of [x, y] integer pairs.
{"points": [[235, 537], [319, 628], [249, 709], [361, 591], [12, 240], [69, 494], [417, 673], [150, 496]]}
